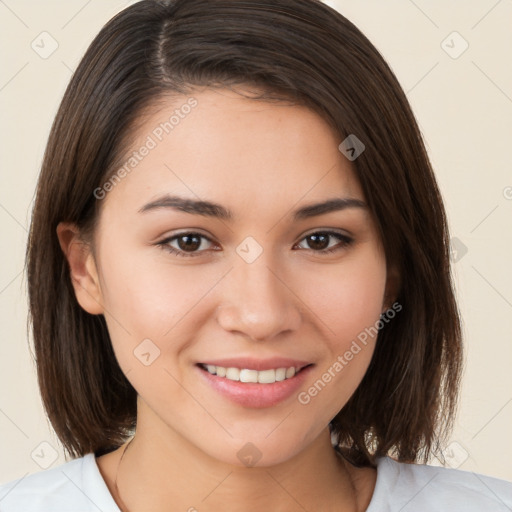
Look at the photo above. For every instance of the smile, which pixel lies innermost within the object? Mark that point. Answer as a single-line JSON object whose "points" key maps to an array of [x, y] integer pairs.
{"points": [[247, 375], [254, 383]]}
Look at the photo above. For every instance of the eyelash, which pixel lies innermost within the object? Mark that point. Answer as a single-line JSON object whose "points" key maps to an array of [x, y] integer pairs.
{"points": [[345, 242]]}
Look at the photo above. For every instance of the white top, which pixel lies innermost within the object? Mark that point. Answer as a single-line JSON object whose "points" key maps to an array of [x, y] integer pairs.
{"points": [[77, 486]]}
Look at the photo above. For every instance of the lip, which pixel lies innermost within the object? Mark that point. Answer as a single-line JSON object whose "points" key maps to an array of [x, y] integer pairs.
{"points": [[251, 394], [257, 364]]}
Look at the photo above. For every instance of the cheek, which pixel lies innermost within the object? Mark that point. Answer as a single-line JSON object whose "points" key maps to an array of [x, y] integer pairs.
{"points": [[348, 302], [147, 294], [146, 299], [346, 298]]}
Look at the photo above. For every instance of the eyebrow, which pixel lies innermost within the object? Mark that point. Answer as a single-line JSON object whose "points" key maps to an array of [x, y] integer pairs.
{"points": [[215, 210]]}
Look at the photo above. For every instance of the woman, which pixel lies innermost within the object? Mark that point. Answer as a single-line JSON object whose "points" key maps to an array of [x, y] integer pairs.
{"points": [[239, 274]]}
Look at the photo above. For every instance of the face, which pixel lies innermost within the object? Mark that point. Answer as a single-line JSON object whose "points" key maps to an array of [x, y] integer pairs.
{"points": [[194, 293]]}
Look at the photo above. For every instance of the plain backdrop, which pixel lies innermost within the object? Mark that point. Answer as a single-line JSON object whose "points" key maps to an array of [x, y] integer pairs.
{"points": [[453, 61]]}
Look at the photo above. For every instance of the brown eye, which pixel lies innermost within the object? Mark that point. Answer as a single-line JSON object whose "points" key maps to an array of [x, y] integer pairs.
{"points": [[321, 241], [318, 242], [189, 242], [185, 244]]}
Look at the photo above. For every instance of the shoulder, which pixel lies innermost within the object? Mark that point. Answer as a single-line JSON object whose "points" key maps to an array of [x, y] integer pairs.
{"points": [[75, 485], [422, 488]]}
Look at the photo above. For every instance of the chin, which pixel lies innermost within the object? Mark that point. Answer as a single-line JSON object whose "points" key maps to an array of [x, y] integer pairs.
{"points": [[260, 451]]}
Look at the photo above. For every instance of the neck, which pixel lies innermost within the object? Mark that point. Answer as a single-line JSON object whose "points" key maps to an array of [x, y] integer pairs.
{"points": [[161, 472]]}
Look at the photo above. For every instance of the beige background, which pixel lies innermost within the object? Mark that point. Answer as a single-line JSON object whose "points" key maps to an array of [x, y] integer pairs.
{"points": [[464, 108]]}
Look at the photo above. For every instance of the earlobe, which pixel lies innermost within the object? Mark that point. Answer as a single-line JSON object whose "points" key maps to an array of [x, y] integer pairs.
{"points": [[82, 268]]}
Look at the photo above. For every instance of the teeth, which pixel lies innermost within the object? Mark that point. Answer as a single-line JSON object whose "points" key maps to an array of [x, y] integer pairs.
{"points": [[280, 374], [266, 376], [232, 373], [246, 375]]}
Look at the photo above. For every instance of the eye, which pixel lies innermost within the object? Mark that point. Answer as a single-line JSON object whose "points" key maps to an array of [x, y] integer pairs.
{"points": [[186, 244], [191, 244], [320, 242]]}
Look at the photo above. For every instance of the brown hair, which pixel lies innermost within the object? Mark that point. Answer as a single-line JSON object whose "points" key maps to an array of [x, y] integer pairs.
{"points": [[299, 50]]}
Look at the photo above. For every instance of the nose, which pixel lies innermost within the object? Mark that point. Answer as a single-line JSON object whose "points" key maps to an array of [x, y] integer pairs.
{"points": [[257, 302]]}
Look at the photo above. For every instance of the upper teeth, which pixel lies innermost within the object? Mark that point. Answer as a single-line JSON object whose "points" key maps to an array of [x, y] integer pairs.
{"points": [[246, 375]]}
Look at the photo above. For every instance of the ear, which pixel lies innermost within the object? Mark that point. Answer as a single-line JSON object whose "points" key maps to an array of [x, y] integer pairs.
{"points": [[392, 289], [82, 267]]}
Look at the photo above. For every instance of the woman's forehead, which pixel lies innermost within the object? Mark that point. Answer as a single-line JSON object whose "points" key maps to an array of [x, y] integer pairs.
{"points": [[236, 150]]}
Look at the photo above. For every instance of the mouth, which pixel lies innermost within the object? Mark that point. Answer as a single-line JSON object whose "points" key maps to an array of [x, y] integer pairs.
{"points": [[252, 383], [249, 375]]}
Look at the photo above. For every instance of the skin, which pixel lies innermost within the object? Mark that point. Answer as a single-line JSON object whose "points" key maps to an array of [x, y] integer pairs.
{"points": [[290, 302]]}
